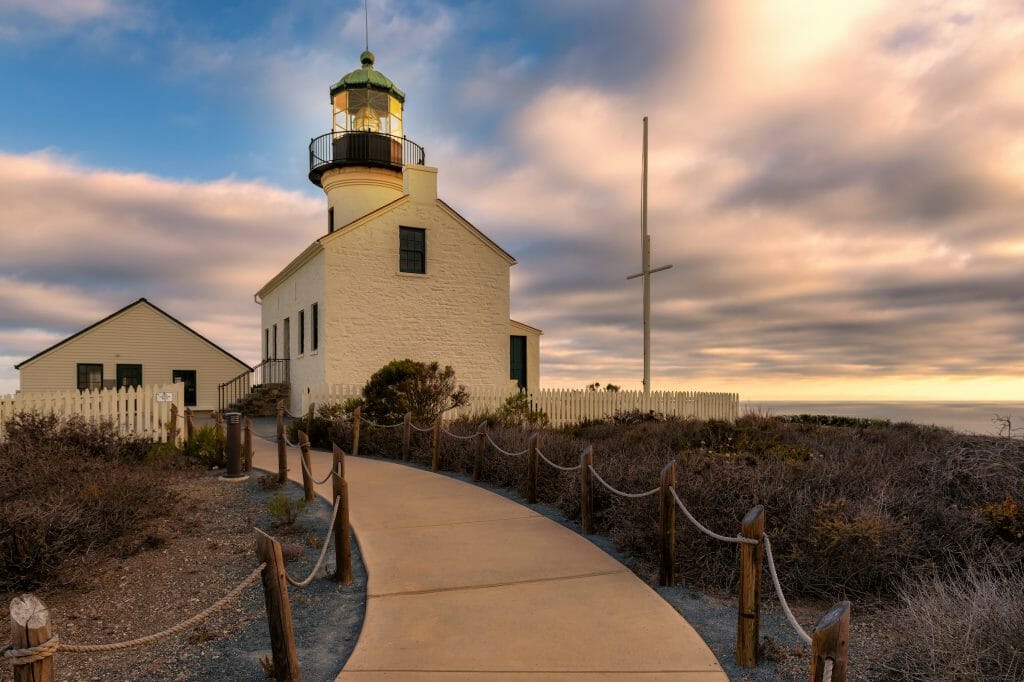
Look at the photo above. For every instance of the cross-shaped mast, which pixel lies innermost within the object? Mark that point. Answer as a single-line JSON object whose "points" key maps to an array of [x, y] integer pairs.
{"points": [[646, 270]]}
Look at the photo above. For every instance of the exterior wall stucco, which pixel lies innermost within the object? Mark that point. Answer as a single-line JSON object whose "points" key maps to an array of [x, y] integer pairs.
{"points": [[298, 292], [456, 313], [139, 335], [355, 191]]}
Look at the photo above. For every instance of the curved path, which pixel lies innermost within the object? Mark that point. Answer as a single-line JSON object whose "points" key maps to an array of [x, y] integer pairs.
{"points": [[466, 585]]}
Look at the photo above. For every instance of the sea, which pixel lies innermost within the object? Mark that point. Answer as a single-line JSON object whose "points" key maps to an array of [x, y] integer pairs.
{"points": [[969, 417]]}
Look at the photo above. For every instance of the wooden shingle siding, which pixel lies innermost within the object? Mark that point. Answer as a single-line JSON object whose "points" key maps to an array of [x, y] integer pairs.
{"points": [[142, 335]]}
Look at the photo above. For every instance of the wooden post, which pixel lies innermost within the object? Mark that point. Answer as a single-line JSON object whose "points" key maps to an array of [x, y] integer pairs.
{"points": [[357, 422], [586, 495], [830, 640], [667, 527], [748, 624], [531, 467], [172, 432], [307, 468], [435, 446], [190, 426], [282, 453], [310, 414], [30, 626], [279, 611], [342, 550], [247, 445], [481, 443], [406, 435], [339, 459]]}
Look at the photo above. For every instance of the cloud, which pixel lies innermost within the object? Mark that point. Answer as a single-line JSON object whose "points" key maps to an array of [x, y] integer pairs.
{"points": [[80, 243], [840, 187]]}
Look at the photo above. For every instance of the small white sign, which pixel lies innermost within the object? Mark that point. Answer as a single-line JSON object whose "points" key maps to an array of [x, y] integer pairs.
{"points": [[165, 397]]}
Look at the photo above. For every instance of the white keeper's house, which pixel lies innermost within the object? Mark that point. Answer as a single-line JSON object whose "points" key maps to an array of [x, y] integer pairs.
{"points": [[398, 273]]}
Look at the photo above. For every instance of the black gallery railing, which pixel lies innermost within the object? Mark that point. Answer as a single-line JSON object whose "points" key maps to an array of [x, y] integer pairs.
{"points": [[362, 148]]}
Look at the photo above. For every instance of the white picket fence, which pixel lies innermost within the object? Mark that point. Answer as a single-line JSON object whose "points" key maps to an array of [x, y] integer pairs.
{"points": [[569, 406], [129, 410]]}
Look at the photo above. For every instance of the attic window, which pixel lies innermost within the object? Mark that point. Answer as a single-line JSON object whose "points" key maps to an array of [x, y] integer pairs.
{"points": [[412, 250]]}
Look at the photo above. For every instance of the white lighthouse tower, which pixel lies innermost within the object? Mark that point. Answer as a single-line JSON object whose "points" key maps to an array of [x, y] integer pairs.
{"points": [[359, 163]]}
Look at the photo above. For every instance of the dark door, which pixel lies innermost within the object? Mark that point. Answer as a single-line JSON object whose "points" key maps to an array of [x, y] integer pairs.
{"points": [[188, 377], [129, 376], [517, 359]]}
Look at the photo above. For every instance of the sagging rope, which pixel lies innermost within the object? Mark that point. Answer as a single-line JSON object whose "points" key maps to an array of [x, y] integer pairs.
{"points": [[778, 591], [330, 473], [738, 539], [457, 436], [323, 550], [53, 645], [557, 466], [619, 492], [421, 429], [503, 451]]}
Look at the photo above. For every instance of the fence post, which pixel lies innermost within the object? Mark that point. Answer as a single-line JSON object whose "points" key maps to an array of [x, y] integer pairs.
{"points": [[667, 527], [30, 626], [406, 435], [310, 414], [830, 642], [172, 435], [435, 445], [279, 611], [307, 467], [586, 496], [339, 459], [531, 467], [190, 426], [247, 445], [481, 436], [342, 550], [282, 453], [748, 622], [357, 423]]}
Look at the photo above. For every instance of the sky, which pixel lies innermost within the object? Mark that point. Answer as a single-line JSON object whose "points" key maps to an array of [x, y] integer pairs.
{"points": [[839, 186]]}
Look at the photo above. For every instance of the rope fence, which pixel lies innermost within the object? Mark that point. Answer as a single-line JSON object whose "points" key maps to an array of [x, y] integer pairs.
{"points": [[34, 647], [323, 549], [29, 655], [828, 660]]}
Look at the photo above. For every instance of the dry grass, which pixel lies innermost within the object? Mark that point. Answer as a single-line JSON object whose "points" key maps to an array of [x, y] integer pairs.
{"points": [[966, 629], [69, 489]]}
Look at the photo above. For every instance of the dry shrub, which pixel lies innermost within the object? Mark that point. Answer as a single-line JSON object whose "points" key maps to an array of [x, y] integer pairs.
{"points": [[852, 510], [966, 629], [69, 488]]}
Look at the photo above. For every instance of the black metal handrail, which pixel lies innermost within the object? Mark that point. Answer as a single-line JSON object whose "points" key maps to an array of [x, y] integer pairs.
{"points": [[267, 372], [361, 148]]}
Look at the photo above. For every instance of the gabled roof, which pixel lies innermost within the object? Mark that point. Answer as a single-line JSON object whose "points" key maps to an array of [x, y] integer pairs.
{"points": [[317, 246], [526, 327], [141, 301]]}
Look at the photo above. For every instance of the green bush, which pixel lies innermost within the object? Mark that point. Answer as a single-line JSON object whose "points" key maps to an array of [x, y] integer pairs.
{"points": [[424, 389], [284, 509], [208, 446]]}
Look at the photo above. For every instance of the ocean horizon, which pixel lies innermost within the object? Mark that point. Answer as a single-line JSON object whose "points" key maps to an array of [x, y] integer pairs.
{"points": [[966, 416]]}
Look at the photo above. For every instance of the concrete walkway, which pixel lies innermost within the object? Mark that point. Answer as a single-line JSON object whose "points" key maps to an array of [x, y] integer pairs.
{"points": [[466, 585]]}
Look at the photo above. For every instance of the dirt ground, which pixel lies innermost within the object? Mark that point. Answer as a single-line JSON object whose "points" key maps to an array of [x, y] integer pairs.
{"points": [[179, 565]]}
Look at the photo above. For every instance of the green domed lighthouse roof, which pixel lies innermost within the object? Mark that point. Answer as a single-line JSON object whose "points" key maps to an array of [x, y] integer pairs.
{"points": [[367, 77]]}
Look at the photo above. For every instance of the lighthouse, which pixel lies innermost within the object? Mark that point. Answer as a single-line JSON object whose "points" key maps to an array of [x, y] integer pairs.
{"points": [[397, 273], [359, 162]]}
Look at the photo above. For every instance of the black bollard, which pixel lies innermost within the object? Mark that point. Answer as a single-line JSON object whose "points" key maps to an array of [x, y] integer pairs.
{"points": [[234, 446]]}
